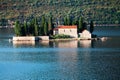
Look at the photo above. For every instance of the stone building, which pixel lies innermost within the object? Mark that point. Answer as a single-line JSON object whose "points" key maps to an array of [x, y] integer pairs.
{"points": [[85, 34], [66, 30]]}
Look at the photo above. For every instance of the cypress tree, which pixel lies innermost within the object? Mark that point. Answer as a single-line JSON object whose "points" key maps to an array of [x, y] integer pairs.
{"points": [[31, 28], [45, 28], [35, 27], [50, 25], [68, 20], [25, 28], [42, 25], [65, 20], [91, 26], [17, 28], [80, 24]]}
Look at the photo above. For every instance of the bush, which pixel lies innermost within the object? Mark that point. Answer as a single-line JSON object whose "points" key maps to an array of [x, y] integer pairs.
{"points": [[60, 36]]}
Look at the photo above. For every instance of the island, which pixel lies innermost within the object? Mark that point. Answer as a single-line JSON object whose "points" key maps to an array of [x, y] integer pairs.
{"points": [[47, 30]]}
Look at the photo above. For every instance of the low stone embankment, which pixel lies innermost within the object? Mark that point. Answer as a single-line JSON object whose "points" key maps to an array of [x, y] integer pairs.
{"points": [[30, 38]]}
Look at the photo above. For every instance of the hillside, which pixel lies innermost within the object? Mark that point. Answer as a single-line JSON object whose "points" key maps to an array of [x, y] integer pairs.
{"points": [[101, 11]]}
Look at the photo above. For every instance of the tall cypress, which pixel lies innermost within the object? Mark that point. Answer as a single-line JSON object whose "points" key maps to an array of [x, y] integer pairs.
{"points": [[17, 28], [50, 25], [45, 28], [91, 26], [25, 28], [80, 24], [35, 27], [42, 25]]}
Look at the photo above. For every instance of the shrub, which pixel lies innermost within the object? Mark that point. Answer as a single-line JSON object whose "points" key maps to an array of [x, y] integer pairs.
{"points": [[60, 36]]}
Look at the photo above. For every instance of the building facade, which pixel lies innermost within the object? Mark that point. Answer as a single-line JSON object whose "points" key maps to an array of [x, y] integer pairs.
{"points": [[85, 34], [66, 30]]}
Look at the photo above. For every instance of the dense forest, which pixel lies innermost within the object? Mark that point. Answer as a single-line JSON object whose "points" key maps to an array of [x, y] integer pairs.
{"points": [[99, 11]]}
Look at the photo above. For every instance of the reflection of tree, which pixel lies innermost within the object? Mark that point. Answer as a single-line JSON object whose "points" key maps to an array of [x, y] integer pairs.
{"points": [[92, 43]]}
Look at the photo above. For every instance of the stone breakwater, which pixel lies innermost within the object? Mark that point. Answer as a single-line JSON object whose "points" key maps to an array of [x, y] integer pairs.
{"points": [[30, 38]]}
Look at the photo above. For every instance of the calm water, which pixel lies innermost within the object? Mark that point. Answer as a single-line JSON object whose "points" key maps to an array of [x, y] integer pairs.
{"points": [[71, 60]]}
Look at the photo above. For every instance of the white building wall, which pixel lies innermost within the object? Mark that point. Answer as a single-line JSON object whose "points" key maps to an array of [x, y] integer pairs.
{"points": [[85, 34], [71, 32]]}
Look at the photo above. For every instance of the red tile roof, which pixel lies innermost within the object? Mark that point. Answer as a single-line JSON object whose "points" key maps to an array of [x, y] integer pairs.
{"points": [[66, 27]]}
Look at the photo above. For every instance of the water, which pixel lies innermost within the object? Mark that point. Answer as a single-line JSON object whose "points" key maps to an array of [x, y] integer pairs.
{"points": [[71, 60]]}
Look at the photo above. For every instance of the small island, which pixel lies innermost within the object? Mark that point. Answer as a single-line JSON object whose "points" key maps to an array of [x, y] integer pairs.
{"points": [[47, 29]]}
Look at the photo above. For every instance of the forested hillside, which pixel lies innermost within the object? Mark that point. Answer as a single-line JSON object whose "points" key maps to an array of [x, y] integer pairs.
{"points": [[100, 11]]}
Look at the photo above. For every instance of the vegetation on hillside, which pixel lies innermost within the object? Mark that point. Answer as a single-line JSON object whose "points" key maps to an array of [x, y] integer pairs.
{"points": [[99, 11]]}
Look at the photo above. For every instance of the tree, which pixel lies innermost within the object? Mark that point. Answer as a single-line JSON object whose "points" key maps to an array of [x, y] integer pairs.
{"points": [[80, 24], [25, 28], [35, 27], [31, 29], [65, 20], [45, 28], [91, 26], [50, 25], [17, 28], [42, 25]]}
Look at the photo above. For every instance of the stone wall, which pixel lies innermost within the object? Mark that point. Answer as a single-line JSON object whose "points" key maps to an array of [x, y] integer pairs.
{"points": [[24, 38], [43, 37], [30, 38]]}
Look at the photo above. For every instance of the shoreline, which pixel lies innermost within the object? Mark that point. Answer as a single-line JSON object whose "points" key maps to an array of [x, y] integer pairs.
{"points": [[43, 38]]}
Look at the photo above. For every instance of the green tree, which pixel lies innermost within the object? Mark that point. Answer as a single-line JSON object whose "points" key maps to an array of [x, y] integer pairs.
{"points": [[80, 24], [35, 27], [25, 28], [50, 25], [31, 28], [65, 20], [17, 28], [91, 26], [45, 28], [42, 25]]}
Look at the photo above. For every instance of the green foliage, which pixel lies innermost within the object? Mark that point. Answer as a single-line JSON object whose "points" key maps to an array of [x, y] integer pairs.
{"points": [[60, 36], [32, 28], [35, 27], [100, 11], [91, 27], [26, 29], [67, 20], [50, 25], [80, 25], [17, 28], [45, 28]]}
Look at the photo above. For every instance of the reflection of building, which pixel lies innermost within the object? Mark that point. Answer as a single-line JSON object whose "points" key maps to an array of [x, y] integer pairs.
{"points": [[85, 43], [67, 44], [67, 30]]}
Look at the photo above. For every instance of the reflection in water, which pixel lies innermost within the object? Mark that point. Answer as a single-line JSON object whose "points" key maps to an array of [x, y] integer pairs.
{"points": [[19, 43], [85, 43], [66, 44], [59, 44], [103, 39], [44, 43], [69, 60]]}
